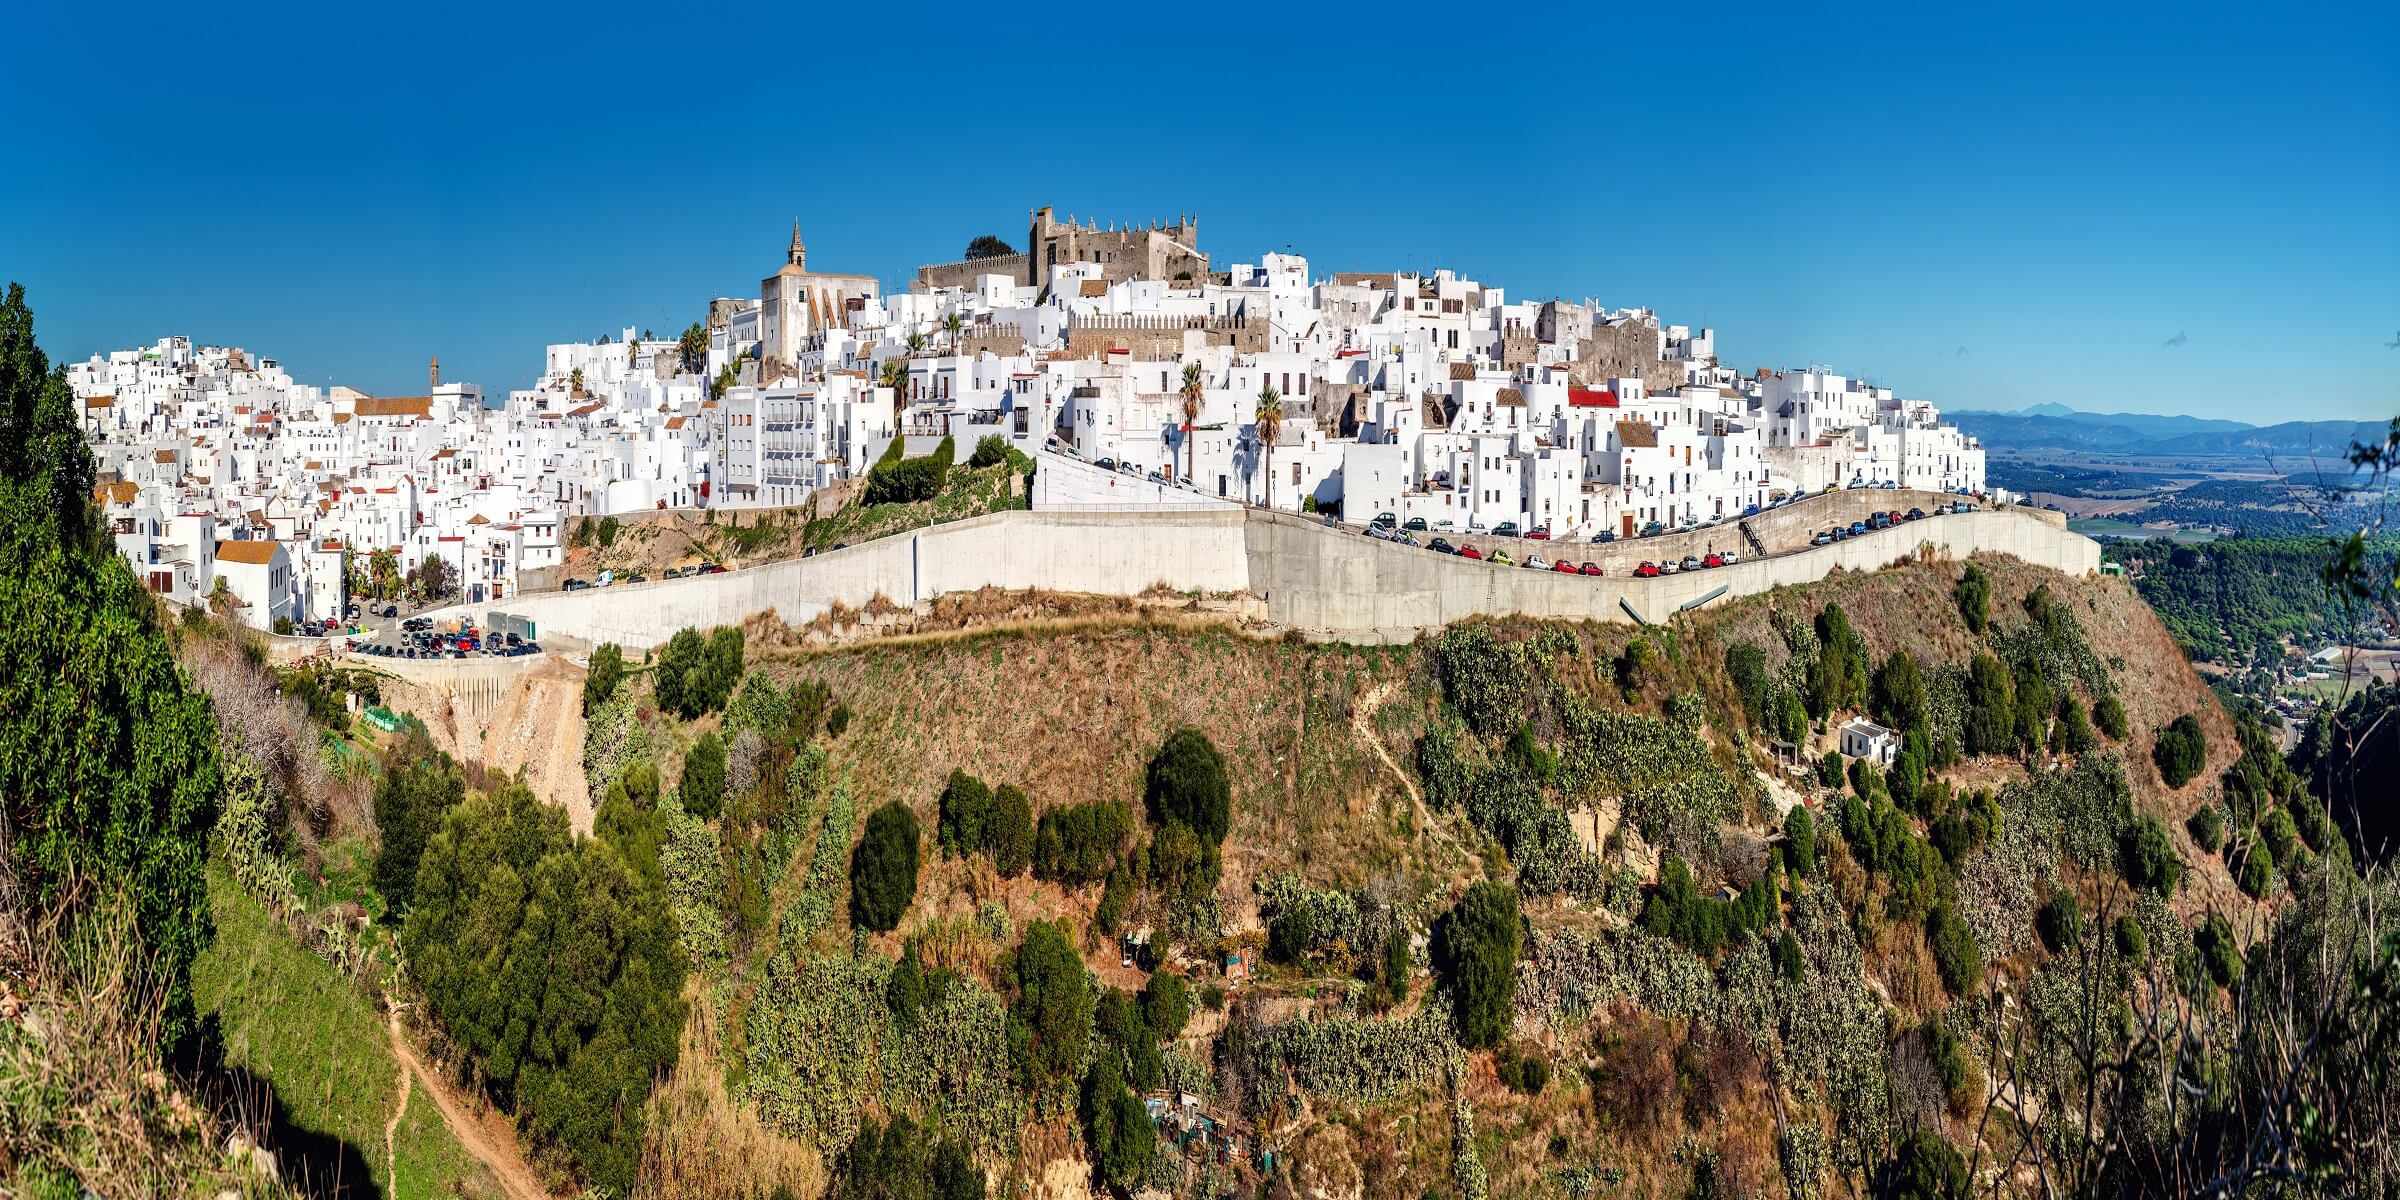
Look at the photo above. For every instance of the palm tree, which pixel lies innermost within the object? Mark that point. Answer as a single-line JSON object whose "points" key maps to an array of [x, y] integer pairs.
{"points": [[1269, 422], [916, 342], [951, 325], [1191, 413], [895, 377]]}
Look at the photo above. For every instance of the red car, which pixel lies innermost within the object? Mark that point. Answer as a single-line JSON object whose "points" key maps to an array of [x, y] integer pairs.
{"points": [[1469, 552], [1714, 559], [1648, 570], [1541, 534], [1563, 567], [1592, 568]]}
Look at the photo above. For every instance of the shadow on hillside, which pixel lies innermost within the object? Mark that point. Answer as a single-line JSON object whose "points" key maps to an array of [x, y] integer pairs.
{"points": [[311, 1163]]}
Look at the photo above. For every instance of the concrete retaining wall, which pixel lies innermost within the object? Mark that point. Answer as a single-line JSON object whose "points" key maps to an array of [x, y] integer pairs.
{"points": [[1358, 589], [1114, 553], [1327, 580]]}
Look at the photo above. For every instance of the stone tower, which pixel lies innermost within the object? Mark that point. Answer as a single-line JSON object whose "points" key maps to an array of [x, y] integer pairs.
{"points": [[798, 255], [434, 371]]}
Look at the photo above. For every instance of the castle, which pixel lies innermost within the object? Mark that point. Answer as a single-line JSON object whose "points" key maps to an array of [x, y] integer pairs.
{"points": [[1158, 250]]}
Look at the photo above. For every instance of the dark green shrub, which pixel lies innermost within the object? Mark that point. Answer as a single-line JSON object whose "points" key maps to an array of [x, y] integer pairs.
{"points": [[1187, 783], [1009, 835], [2180, 751], [1837, 679], [1050, 1011], [1081, 843], [607, 671], [1991, 707], [1524, 1073], [1955, 953], [1974, 595], [905, 1161], [1900, 692], [2207, 827], [1476, 947], [883, 869], [2147, 856], [2109, 714], [1923, 1168], [418, 788], [2074, 727], [1166, 1004], [1116, 1127], [1800, 840], [2218, 953], [2281, 836], [2060, 922], [966, 814], [990, 451], [2257, 877], [1789, 962], [1746, 669], [702, 790], [2131, 942], [1829, 769]]}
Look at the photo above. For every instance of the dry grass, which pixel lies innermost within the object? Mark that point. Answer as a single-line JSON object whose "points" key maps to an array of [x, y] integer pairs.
{"points": [[704, 1146]]}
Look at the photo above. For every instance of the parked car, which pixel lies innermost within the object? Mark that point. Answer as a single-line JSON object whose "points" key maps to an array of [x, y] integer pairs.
{"points": [[632, 577], [1469, 552], [1730, 558], [1155, 477], [1750, 510], [1669, 567], [716, 568], [1535, 562], [1713, 560], [1405, 539], [1106, 464], [1500, 558], [1648, 570], [1539, 533], [1857, 528], [1592, 568], [1441, 546], [1604, 536], [391, 610], [1563, 567], [1415, 525], [574, 585], [1126, 468], [1916, 514], [1891, 485], [1505, 529], [1387, 520], [1381, 533], [1653, 529], [1691, 562]]}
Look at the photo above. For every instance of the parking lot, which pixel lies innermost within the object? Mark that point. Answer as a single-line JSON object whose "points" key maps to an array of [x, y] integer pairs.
{"points": [[416, 638]]}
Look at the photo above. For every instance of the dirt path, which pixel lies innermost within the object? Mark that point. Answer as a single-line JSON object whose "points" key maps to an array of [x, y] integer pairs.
{"points": [[391, 1130], [1362, 723], [517, 1181]]}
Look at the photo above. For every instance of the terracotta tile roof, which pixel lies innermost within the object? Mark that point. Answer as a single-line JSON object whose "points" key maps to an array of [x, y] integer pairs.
{"points": [[1462, 371], [395, 406], [479, 519], [99, 401], [116, 493], [163, 456], [1509, 398], [1093, 289], [1637, 433], [675, 422], [584, 410], [255, 552]]}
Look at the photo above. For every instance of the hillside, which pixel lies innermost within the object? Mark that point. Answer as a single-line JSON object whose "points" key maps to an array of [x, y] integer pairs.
{"points": [[1342, 808]]}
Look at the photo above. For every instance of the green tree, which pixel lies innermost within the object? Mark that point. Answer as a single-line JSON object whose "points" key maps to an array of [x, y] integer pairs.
{"points": [[883, 870], [1991, 707], [1190, 394], [1800, 840], [990, 451], [1187, 782], [552, 965], [2207, 827], [109, 772], [1746, 669], [1476, 948], [1837, 679], [418, 788], [2147, 855], [2074, 726], [906, 1161], [2180, 751], [1955, 953], [966, 812], [2060, 922], [692, 347], [1166, 1003], [1050, 1012], [1011, 833], [1392, 975], [702, 790], [2109, 714], [1900, 692], [1116, 1127], [1923, 1168], [987, 246], [1974, 594]]}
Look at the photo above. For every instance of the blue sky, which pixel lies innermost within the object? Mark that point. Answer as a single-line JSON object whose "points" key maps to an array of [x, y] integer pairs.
{"points": [[2173, 209]]}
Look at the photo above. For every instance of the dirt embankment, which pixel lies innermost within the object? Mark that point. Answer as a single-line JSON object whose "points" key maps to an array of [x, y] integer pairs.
{"points": [[531, 722]]}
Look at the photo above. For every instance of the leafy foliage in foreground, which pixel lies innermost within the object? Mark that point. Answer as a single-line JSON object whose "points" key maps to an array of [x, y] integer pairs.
{"points": [[109, 767]]}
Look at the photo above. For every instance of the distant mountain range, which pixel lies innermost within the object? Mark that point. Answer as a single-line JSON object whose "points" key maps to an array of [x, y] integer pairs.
{"points": [[2057, 427]]}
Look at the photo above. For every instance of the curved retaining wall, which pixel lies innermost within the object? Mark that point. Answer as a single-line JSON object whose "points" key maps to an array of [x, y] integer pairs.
{"points": [[1359, 589], [1329, 581]]}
